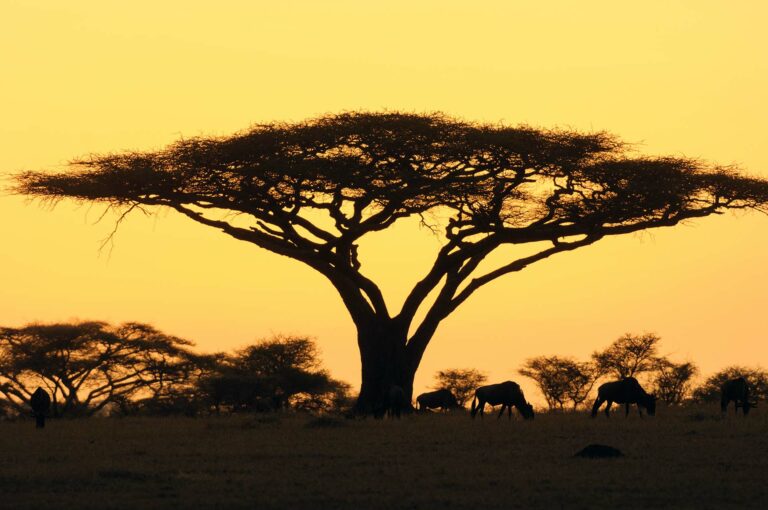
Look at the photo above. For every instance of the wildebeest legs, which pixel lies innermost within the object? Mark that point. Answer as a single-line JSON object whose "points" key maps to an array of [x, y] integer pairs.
{"points": [[508, 407], [596, 406]]}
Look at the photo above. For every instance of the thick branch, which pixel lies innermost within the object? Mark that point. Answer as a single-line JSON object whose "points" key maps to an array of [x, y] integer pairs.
{"points": [[346, 282], [515, 266]]}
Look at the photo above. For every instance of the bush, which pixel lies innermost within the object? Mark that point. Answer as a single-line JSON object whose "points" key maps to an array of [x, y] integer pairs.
{"points": [[757, 379]]}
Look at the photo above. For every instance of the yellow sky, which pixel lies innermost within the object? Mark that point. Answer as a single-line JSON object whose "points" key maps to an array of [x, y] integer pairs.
{"points": [[677, 77]]}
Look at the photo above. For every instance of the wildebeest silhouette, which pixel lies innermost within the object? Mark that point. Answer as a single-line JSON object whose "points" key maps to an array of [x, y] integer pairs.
{"points": [[440, 399], [627, 391], [736, 390], [392, 403], [507, 394], [40, 403]]}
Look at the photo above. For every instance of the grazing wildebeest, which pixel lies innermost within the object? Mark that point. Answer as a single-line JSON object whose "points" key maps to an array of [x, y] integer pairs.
{"points": [[40, 403], [626, 391], [736, 390], [507, 394], [440, 399]]}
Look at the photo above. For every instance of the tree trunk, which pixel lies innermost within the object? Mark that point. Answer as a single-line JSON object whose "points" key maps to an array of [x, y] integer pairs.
{"points": [[385, 363]]}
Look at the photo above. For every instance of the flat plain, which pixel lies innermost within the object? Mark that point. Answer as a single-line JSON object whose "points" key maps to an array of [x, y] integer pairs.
{"points": [[681, 458]]}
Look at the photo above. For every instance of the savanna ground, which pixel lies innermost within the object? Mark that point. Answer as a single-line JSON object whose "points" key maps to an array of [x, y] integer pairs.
{"points": [[682, 458]]}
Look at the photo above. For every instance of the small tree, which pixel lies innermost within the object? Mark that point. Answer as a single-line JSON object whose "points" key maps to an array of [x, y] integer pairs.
{"points": [[274, 357], [757, 379], [462, 382], [561, 380], [87, 365], [628, 356], [672, 381], [274, 373]]}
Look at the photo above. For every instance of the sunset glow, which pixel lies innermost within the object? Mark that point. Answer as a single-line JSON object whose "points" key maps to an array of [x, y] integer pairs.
{"points": [[683, 79]]}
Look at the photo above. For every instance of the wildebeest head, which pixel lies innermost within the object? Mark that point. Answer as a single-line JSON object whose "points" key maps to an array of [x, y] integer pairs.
{"points": [[650, 404], [526, 410]]}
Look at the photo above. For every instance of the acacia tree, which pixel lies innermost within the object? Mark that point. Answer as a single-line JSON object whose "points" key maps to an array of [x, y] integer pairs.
{"points": [[87, 365], [672, 382], [461, 382], [629, 356], [289, 371], [312, 190], [757, 379], [282, 371], [561, 379]]}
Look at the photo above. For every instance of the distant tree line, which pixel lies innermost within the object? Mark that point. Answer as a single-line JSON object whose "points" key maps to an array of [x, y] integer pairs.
{"points": [[568, 383], [94, 367]]}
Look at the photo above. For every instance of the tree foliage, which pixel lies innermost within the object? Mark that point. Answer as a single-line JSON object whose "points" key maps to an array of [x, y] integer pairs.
{"points": [[272, 374], [312, 190], [629, 356], [561, 380], [757, 379], [672, 381], [87, 365], [462, 382]]}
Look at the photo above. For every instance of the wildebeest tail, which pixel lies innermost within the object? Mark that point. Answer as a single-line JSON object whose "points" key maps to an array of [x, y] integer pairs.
{"points": [[473, 411]]}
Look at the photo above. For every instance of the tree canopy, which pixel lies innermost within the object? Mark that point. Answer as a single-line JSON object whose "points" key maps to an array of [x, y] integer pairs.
{"points": [[312, 190], [710, 390], [364, 171], [461, 382], [629, 356], [561, 380], [274, 373], [673, 381], [87, 365]]}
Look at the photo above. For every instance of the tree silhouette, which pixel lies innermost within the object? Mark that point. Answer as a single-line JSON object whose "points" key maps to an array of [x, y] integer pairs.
{"points": [[561, 379], [87, 365], [629, 356], [461, 382], [757, 379], [312, 190], [672, 382], [279, 372]]}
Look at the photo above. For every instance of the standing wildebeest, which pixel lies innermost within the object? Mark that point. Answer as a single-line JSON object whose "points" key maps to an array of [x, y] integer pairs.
{"points": [[393, 402], [40, 403], [736, 390], [440, 399], [507, 394], [626, 391]]}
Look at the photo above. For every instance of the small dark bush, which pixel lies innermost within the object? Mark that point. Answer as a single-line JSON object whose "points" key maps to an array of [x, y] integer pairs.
{"points": [[599, 451]]}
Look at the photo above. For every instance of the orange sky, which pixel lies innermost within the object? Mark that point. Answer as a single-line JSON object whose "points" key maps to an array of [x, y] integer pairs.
{"points": [[681, 78]]}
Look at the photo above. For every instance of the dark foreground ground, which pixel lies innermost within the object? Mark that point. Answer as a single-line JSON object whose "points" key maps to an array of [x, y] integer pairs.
{"points": [[683, 459]]}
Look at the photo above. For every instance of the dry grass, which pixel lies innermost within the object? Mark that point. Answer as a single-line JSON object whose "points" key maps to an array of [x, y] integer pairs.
{"points": [[680, 459]]}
